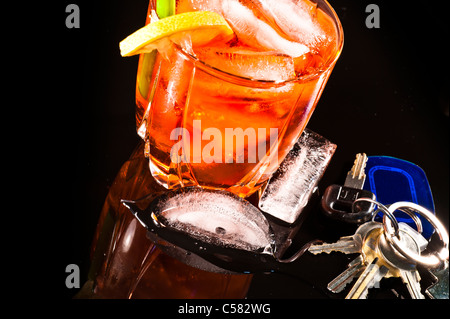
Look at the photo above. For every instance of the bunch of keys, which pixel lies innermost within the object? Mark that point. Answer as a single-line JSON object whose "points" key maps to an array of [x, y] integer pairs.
{"points": [[387, 248]]}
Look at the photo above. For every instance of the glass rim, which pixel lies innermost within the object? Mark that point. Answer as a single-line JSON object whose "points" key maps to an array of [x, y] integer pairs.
{"points": [[328, 10]]}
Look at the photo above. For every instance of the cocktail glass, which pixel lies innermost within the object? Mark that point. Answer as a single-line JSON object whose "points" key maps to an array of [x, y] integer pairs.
{"points": [[232, 126], [221, 117]]}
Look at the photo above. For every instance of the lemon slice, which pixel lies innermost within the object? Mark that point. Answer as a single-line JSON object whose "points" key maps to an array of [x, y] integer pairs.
{"points": [[201, 26]]}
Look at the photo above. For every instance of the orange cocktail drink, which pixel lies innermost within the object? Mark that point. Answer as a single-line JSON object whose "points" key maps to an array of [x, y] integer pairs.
{"points": [[224, 114]]}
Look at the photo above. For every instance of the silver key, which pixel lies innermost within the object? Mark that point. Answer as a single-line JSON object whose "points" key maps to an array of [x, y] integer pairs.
{"points": [[354, 270], [347, 244], [402, 267], [356, 176], [373, 269]]}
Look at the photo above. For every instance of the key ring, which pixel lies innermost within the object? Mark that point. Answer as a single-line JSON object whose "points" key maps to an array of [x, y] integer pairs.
{"points": [[391, 216], [431, 260], [414, 217], [394, 222]]}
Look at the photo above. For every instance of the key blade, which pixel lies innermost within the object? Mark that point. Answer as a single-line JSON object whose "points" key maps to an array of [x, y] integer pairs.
{"points": [[359, 166], [372, 275], [357, 176], [412, 281], [346, 245], [355, 268]]}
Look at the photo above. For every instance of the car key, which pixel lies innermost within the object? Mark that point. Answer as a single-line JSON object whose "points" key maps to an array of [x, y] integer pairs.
{"points": [[393, 180], [387, 262], [347, 245], [337, 201]]}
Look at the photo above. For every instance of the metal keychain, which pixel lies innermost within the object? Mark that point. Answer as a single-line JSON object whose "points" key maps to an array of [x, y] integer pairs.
{"points": [[430, 260]]}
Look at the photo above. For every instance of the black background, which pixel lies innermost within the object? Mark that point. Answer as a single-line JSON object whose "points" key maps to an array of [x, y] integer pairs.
{"points": [[388, 95]]}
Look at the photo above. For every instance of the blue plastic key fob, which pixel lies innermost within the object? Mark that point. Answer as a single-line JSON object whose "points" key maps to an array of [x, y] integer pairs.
{"points": [[393, 180]]}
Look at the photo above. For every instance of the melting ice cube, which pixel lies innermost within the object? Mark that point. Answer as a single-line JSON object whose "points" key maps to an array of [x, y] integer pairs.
{"points": [[215, 217], [295, 19], [255, 32], [290, 188], [249, 29], [270, 66]]}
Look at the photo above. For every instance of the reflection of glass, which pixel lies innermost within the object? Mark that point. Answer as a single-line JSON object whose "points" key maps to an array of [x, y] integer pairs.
{"points": [[181, 91], [126, 264]]}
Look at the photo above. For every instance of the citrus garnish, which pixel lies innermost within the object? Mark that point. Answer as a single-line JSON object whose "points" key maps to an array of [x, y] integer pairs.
{"points": [[201, 26]]}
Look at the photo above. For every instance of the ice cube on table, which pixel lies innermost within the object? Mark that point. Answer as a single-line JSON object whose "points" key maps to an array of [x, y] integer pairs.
{"points": [[269, 66], [215, 217], [289, 189]]}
